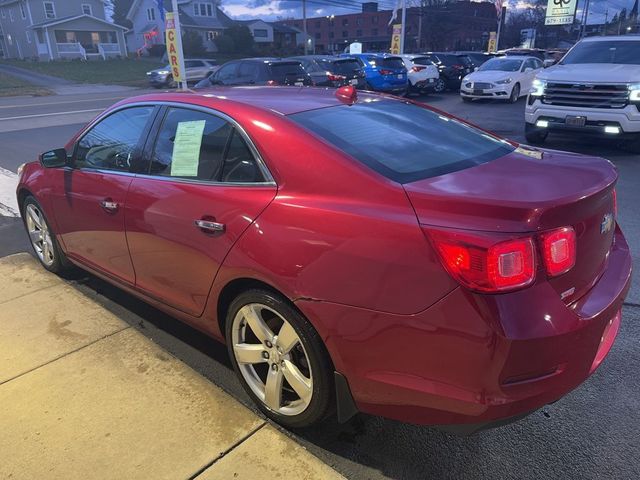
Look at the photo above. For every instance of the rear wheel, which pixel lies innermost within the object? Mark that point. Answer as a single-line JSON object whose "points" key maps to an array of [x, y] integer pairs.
{"points": [[440, 86], [515, 93], [535, 134], [279, 358], [43, 240]]}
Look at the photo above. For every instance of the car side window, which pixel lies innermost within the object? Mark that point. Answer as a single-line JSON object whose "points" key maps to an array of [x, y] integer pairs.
{"points": [[227, 72], [111, 144], [248, 70], [193, 64], [200, 146]]}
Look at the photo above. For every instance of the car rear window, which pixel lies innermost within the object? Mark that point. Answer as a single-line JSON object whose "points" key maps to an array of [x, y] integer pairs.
{"points": [[449, 60], [402, 141], [625, 52], [282, 70], [346, 66], [393, 62], [422, 61]]}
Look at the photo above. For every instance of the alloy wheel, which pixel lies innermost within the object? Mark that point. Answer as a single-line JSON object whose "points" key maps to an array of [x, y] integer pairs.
{"points": [[39, 235], [440, 86], [272, 359]]}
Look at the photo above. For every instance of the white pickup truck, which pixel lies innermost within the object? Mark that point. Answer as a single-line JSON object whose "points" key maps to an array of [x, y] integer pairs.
{"points": [[595, 89]]}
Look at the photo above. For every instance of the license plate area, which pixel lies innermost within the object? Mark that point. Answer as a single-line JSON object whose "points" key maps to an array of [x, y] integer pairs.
{"points": [[478, 91], [353, 81], [575, 121]]}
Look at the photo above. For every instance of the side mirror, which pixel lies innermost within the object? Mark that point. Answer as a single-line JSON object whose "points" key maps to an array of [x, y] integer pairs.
{"points": [[54, 158]]}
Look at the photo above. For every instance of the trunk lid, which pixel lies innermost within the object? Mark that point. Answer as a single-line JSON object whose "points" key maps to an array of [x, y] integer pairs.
{"points": [[528, 192]]}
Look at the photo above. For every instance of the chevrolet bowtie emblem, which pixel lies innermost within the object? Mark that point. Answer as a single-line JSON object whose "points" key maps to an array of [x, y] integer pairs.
{"points": [[606, 224]]}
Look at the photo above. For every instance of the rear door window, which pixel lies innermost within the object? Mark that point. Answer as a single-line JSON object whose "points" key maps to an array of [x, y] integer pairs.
{"points": [[286, 70], [401, 141], [200, 146]]}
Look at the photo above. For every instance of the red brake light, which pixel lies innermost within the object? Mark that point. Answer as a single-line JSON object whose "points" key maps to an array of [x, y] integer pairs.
{"points": [[336, 78], [384, 71], [415, 68], [559, 250], [483, 264]]}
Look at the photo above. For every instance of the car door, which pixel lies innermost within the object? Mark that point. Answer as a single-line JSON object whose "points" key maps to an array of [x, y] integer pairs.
{"points": [[89, 197], [227, 74], [247, 73], [195, 69], [205, 186]]}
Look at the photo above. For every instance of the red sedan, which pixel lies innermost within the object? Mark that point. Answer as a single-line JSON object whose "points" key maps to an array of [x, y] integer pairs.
{"points": [[355, 253]]}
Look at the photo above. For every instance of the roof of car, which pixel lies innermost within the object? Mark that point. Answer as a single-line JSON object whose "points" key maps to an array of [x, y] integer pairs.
{"points": [[612, 37], [283, 100]]}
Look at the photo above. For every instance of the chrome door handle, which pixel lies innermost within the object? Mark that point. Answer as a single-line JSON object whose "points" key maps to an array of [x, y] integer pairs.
{"points": [[209, 226], [109, 205]]}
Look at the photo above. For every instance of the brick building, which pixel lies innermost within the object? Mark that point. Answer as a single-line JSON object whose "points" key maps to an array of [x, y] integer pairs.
{"points": [[455, 25]]}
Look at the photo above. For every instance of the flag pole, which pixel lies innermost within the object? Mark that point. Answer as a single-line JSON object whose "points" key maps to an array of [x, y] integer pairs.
{"points": [[404, 21]]}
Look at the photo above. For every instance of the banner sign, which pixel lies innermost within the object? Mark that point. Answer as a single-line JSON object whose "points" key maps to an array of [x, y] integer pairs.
{"points": [[491, 47], [173, 52], [561, 12], [395, 38]]}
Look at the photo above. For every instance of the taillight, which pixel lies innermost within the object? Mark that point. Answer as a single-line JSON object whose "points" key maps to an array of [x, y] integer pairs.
{"points": [[384, 71], [336, 78], [559, 250], [417, 69], [483, 264]]}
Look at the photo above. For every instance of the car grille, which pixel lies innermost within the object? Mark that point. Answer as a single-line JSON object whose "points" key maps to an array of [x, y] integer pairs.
{"points": [[481, 85], [586, 95]]}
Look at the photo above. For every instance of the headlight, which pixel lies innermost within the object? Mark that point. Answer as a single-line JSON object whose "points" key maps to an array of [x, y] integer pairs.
{"points": [[634, 92], [163, 72], [503, 82], [537, 88]]}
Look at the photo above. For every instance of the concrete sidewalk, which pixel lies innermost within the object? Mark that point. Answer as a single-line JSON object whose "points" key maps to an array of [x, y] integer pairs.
{"points": [[84, 395]]}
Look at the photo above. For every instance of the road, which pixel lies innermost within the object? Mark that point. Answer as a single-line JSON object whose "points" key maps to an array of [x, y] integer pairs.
{"points": [[592, 433]]}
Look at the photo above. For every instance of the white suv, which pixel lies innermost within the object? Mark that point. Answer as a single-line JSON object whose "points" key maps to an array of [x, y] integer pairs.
{"points": [[595, 88], [421, 72]]}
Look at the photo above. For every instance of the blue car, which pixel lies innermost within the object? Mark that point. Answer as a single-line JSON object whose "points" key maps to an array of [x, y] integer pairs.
{"points": [[384, 73]]}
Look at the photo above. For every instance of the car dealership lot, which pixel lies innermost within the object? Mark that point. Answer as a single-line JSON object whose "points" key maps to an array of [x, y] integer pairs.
{"points": [[592, 433]]}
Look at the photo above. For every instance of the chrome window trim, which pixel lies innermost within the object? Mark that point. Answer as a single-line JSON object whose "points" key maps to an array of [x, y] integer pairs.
{"points": [[269, 180]]}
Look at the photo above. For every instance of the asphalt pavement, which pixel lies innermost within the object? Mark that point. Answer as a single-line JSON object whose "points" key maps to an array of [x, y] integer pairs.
{"points": [[592, 433]]}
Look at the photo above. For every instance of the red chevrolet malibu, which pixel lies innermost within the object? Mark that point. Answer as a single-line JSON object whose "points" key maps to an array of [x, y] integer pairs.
{"points": [[356, 253]]}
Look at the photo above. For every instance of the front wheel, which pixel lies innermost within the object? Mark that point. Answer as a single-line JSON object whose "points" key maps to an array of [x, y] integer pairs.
{"points": [[440, 86], [515, 93], [43, 240], [535, 135], [279, 359]]}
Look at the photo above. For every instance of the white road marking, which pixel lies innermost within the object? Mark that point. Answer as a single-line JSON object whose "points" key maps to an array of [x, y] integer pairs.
{"points": [[8, 202], [51, 114], [62, 103]]}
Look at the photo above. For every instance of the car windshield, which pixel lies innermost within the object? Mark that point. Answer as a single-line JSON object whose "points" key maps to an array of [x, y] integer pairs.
{"points": [[402, 141], [501, 65], [624, 52]]}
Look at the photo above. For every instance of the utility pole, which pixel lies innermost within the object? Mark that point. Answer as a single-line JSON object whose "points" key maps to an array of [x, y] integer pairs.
{"points": [[585, 18], [606, 19], [422, 2], [304, 26], [404, 21], [503, 13]]}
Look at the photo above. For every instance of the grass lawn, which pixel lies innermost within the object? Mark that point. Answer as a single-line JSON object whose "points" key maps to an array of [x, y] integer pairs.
{"points": [[11, 86], [112, 72]]}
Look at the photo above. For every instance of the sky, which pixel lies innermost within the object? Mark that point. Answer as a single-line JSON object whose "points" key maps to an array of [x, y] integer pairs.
{"points": [[276, 9]]}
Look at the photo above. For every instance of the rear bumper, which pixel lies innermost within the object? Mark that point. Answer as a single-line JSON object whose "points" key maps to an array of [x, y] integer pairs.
{"points": [[474, 360]]}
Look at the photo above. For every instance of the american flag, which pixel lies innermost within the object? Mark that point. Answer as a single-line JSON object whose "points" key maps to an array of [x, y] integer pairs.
{"points": [[498, 4]]}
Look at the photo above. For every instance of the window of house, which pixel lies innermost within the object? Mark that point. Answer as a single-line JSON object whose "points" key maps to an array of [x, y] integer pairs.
{"points": [[345, 34], [203, 9], [260, 33], [374, 20], [49, 10], [40, 36], [331, 35], [223, 155], [112, 143], [86, 9], [212, 35], [28, 35], [345, 22], [359, 21], [359, 32], [23, 12], [151, 13]]}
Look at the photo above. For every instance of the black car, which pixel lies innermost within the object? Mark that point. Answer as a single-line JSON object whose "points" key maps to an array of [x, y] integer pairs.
{"points": [[258, 71], [451, 69], [329, 71], [478, 58]]}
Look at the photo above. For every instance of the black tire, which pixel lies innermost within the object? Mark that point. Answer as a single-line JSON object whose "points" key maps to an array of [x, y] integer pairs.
{"points": [[515, 93], [440, 86], [633, 146], [534, 134], [322, 399], [59, 265]]}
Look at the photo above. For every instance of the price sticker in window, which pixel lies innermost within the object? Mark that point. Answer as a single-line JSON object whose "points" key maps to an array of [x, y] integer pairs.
{"points": [[186, 149]]}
